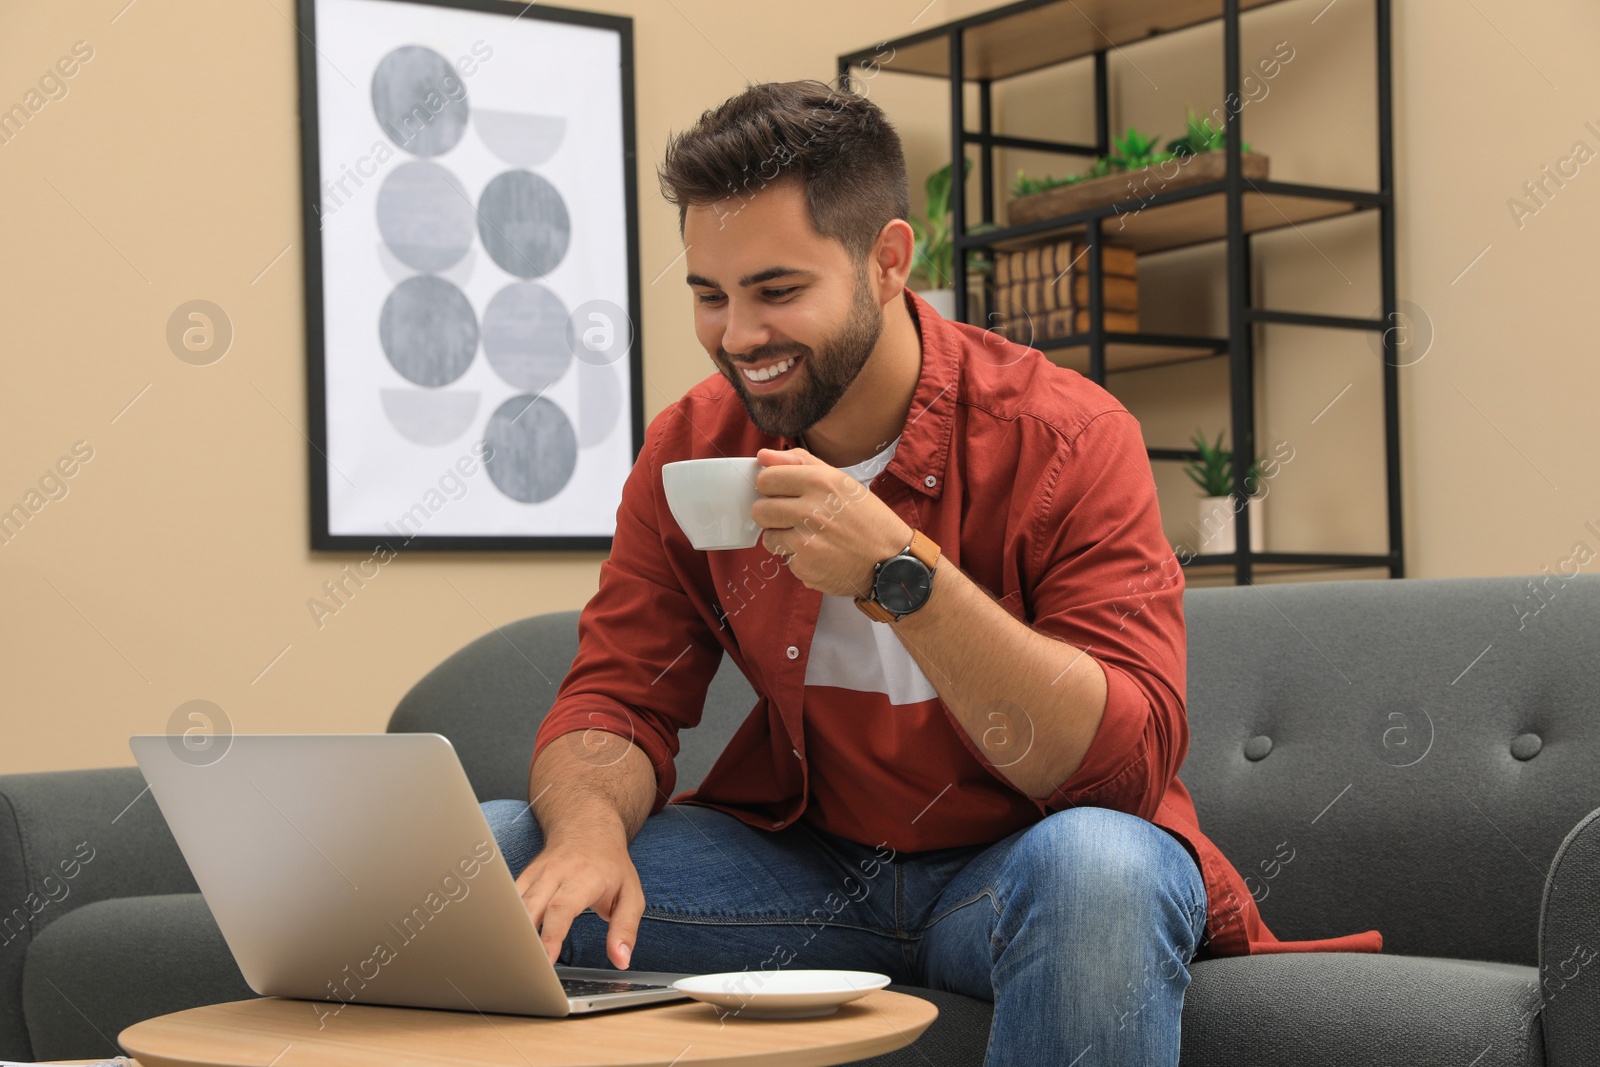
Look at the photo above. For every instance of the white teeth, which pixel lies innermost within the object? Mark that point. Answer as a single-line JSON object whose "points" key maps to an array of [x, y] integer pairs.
{"points": [[771, 372]]}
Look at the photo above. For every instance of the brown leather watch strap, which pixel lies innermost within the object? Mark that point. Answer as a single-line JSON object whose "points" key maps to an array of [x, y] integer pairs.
{"points": [[922, 546]]}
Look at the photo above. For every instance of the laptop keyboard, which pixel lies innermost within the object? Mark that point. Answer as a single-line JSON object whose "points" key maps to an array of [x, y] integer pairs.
{"points": [[588, 987]]}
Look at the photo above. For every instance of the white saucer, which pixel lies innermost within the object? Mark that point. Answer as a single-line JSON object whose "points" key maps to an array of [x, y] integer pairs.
{"points": [[781, 994]]}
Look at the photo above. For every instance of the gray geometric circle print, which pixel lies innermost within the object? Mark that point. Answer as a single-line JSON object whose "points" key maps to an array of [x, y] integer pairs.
{"points": [[425, 216], [419, 100], [523, 222], [525, 336], [534, 449], [428, 330]]}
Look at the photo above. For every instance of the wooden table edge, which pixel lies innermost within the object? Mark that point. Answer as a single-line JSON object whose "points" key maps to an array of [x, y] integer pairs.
{"points": [[901, 1033]]}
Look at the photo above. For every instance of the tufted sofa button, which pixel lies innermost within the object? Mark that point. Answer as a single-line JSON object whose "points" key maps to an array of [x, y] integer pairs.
{"points": [[1526, 746], [1257, 747]]}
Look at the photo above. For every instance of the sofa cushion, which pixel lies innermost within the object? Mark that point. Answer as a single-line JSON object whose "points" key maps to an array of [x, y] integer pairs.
{"points": [[490, 696], [1339, 1008], [105, 966], [1396, 795], [1308, 1010]]}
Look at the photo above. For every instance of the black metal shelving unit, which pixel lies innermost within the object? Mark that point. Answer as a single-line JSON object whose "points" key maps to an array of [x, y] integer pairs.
{"points": [[1029, 35]]}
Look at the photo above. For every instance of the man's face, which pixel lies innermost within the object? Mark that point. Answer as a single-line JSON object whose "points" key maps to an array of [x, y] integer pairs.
{"points": [[767, 288]]}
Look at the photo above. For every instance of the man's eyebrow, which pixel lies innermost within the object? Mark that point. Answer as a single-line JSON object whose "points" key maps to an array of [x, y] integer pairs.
{"points": [[753, 279]]}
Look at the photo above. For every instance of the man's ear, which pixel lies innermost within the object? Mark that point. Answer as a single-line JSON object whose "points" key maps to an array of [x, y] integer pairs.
{"points": [[890, 260]]}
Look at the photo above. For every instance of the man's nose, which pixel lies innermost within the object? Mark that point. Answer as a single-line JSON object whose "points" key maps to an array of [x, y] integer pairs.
{"points": [[744, 331]]}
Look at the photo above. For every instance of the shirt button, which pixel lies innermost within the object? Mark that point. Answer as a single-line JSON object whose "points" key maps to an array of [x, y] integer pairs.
{"points": [[796, 752], [930, 481], [793, 652], [778, 825]]}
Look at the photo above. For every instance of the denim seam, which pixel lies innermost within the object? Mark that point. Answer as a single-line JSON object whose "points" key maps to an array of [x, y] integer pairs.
{"points": [[1199, 907], [762, 921], [986, 891]]}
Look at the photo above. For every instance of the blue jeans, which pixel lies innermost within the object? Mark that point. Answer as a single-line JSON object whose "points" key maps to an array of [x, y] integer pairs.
{"points": [[1078, 928]]}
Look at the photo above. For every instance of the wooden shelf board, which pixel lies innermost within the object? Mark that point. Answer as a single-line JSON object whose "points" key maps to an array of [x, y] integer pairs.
{"points": [[1028, 36], [1197, 221], [1125, 355]]}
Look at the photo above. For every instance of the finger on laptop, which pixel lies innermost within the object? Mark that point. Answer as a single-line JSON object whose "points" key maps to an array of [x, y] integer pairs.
{"points": [[539, 883], [564, 906], [622, 917]]}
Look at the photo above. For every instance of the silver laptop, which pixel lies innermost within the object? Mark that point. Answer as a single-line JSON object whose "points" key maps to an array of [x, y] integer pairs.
{"points": [[358, 868]]}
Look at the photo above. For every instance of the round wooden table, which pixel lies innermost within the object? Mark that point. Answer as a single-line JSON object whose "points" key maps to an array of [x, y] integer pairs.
{"points": [[285, 1033]]}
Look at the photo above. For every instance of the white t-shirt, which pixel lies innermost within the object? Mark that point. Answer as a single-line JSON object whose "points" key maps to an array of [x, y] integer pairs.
{"points": [[843, 632]]}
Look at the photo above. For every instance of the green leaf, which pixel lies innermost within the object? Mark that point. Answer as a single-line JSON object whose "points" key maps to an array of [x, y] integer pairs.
{"points": [[1213, 471], [1134, 149], [933, 251], [939, 192]]}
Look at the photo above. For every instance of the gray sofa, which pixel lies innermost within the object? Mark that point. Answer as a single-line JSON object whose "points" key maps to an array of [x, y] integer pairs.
{"points": [[1416, 756]]}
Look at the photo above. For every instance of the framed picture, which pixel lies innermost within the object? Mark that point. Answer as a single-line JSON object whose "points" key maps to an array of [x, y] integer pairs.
{"points": [[472, 273]]}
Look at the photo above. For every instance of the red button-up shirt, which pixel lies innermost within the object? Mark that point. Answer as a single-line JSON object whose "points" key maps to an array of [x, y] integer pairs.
{"points": [[1030, 478]]}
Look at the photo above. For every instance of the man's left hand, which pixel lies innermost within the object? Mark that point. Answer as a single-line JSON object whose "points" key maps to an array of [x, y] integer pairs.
{"points": [[829, 529]]}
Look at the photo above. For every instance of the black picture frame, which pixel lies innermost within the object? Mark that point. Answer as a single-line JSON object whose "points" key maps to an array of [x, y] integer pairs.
{"points": [[322, 538]]}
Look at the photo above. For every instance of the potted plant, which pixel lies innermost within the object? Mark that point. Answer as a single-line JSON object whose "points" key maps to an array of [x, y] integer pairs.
{"points": [[933, 256], [1213, 473], [1136, 169]]}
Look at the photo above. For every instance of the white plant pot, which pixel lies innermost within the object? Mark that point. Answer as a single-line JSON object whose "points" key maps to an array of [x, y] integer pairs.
{"points": [[1215, 524], [941, 300]]}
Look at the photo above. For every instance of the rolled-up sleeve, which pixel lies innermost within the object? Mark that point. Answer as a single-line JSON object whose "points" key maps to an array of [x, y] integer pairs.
{"points": [[646, 653], [1109, 584]]}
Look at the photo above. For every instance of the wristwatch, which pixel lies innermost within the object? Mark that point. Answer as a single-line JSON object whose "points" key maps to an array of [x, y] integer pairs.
{"points": [[902, 583]]}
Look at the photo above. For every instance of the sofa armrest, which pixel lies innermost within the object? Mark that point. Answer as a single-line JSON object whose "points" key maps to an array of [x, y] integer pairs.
{"points": [[1569, 947], [69, 838]]}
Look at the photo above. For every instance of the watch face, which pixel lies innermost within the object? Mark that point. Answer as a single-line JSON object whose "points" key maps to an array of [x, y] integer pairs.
{"points": [[903, 584]]}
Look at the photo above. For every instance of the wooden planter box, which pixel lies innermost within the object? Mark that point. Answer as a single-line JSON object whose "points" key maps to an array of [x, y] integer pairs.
{"points": [[1134, 185]]}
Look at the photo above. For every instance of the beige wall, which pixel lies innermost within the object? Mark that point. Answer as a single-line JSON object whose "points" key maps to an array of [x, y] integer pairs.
{"points": [[177, 566]]}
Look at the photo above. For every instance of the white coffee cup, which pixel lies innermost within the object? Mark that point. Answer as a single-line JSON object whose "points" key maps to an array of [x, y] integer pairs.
{"points": [[712, 498]]}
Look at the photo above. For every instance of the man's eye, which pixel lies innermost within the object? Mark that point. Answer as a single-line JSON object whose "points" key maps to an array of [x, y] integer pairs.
{"points": [[771, 294]]}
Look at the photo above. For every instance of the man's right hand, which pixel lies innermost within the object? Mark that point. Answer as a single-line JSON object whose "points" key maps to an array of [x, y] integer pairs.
{"points": [[573, 873]]}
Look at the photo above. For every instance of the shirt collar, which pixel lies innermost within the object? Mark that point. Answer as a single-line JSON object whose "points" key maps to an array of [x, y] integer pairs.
{"points": [[925, 438]]}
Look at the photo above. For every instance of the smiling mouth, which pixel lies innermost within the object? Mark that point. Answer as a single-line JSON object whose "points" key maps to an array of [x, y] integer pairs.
{"points": [[770, 372]]}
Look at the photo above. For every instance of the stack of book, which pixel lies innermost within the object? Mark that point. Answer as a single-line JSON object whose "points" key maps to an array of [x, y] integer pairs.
{"points": [[1043, 291]]}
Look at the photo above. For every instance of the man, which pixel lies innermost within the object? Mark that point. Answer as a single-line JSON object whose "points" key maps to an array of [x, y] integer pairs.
{"points": [[962, 619]]}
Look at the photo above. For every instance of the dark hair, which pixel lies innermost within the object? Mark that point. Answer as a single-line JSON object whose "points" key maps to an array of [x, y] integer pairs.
{"points": [[841, 146]]}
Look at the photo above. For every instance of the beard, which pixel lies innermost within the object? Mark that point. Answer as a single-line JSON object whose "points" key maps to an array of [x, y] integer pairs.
{"points": [[827, 372]]}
